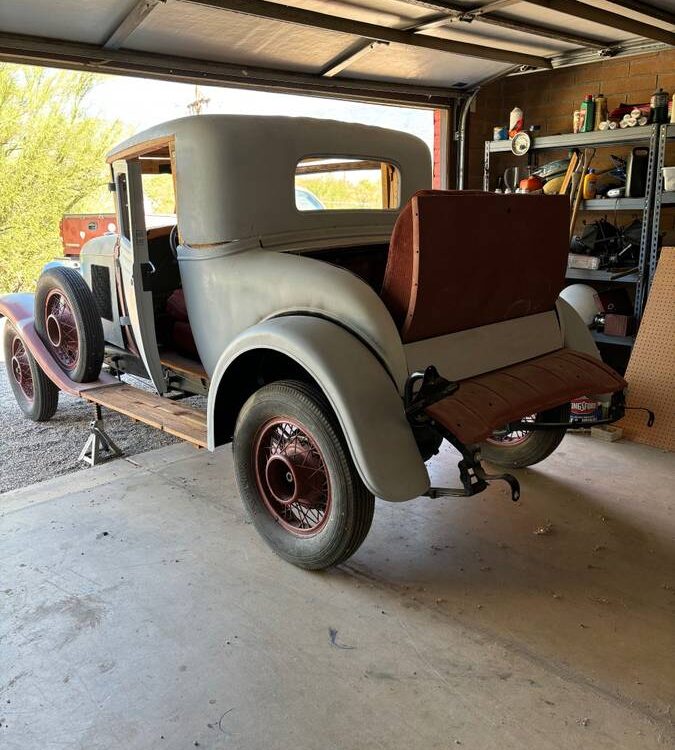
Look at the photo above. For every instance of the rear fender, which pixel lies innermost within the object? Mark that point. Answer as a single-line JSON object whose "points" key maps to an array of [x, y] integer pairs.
{"points": [[358, 388]]}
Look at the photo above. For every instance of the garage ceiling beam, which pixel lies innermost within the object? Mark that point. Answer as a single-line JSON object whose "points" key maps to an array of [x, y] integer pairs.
{"points": [[291, 14], [349, 57], [456, 12], [32, 50], [658, 14], [492, 7], [606, 18], [130, 23]]}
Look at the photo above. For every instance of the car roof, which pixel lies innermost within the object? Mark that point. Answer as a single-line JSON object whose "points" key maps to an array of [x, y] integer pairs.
{"points": [[235, 174]]}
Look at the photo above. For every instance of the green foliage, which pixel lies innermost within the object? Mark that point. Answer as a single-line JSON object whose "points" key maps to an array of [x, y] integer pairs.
{"points": [[335, 192], [158, 194], [52, 161]]}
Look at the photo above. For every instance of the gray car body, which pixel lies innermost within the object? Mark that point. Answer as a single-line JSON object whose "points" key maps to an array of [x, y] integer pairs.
{"points": [[249, 287]]}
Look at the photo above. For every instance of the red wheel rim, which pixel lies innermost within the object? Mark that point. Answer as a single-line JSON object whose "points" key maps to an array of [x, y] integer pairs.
{"points": [[61, 328], [511, 439], [20, 368], [291, 476]]}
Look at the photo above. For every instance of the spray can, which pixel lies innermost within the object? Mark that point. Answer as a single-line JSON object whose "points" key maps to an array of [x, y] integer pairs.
{"points": [[515, 121], [600, 111], [576, 121], [588, 109], [658, 106]]}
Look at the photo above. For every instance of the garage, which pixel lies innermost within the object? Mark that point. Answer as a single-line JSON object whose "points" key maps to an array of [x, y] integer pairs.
{"points": [[378, 426]]}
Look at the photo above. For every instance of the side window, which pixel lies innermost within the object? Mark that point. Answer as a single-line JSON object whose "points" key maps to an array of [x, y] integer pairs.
{"points": [[158, 196], [346, 184]]}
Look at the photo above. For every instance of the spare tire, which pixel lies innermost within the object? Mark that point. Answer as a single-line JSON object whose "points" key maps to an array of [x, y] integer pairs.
{"points": [[69, 324]]}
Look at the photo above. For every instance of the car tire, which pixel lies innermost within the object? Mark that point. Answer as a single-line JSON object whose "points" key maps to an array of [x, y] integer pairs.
{"points": [[516, 450], [69, 324], [296, 477], [36, 395]]}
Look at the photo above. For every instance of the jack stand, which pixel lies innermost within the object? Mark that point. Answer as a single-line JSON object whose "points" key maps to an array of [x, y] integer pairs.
{"points": [[98, 441]]}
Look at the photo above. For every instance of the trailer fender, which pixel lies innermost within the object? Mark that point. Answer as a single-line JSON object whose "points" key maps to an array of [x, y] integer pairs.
{"points": [[18, 309], [575, 332], [577, 336], [356, 385]]}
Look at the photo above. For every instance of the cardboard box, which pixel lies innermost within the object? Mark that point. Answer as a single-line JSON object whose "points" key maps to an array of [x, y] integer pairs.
{"points": [[585, 262]]}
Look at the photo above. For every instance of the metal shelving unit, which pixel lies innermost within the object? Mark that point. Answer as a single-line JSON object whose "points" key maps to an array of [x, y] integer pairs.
{"points": [[621, 136], [583, 274], [660, 198], [613, 204], [603, 338], [653, 136]]}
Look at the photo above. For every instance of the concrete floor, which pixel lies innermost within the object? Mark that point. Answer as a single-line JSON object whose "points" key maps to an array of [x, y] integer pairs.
{"points": [[140, 610]]}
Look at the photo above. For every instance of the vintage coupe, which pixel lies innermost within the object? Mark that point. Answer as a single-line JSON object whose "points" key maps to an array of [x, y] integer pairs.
{"points": [[337, 344]]}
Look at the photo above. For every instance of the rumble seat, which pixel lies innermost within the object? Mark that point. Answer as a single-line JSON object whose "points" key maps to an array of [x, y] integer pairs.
{"points": [[465, 259], [475, 276]]}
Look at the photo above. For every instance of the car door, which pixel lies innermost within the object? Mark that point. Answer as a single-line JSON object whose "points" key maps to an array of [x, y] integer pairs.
{"points": [[135, 266]]}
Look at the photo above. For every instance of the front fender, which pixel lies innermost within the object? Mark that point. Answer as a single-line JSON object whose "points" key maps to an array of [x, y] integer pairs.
{"points": [[358, 388]]}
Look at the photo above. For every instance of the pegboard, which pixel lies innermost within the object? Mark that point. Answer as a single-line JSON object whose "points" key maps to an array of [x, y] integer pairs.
{"points": [[651, 369]]}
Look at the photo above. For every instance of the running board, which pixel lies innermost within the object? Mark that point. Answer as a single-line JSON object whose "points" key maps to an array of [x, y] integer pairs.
{"points": [[163, 414]]}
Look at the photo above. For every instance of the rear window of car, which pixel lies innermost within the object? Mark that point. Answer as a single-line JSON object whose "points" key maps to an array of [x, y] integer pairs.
{"points": [[346, 184]]}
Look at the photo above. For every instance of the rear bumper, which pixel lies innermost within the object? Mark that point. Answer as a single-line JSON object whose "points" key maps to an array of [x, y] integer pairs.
{"points": [[489, 402]]}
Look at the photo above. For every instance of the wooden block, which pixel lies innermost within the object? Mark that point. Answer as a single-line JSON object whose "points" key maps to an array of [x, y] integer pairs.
{"points": [[651, 369], [607, 432]]}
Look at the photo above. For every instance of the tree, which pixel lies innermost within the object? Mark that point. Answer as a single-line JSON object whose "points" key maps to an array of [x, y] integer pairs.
{"points": [[335, 192], [52, 159]]}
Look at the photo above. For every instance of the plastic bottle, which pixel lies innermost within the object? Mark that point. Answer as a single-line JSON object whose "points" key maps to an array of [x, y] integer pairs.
{"points": [[590, 185], [600, 110], [588, 108]]}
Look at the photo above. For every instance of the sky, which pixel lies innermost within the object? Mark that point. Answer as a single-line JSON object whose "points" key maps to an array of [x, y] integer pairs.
{"points": [[142, 103]]}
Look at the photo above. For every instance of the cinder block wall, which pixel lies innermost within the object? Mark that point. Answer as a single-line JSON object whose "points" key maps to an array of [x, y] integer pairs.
{"points": [[549, 99]]}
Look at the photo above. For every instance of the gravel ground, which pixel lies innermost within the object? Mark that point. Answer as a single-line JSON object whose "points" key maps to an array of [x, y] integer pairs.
{"points": [[34, 451]]}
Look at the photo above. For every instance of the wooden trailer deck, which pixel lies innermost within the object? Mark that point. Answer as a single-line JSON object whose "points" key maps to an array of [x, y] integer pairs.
{"points": [[173, 417]]}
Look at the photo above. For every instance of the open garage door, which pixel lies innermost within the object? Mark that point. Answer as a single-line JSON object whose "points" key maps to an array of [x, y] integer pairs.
{"points": [[423, 52]]}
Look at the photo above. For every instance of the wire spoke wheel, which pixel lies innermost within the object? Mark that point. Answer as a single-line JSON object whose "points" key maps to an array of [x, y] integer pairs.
{"points": [[62, 330], [296, 477], [20, 368], [519, 448], [35, 394], [68, 322], [513, 438], [292, 477]]}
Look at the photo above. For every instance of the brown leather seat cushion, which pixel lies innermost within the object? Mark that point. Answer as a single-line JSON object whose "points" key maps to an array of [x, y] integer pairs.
{"points": [[180, 334], [176, 308], [463, 259], [487, 402]]}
